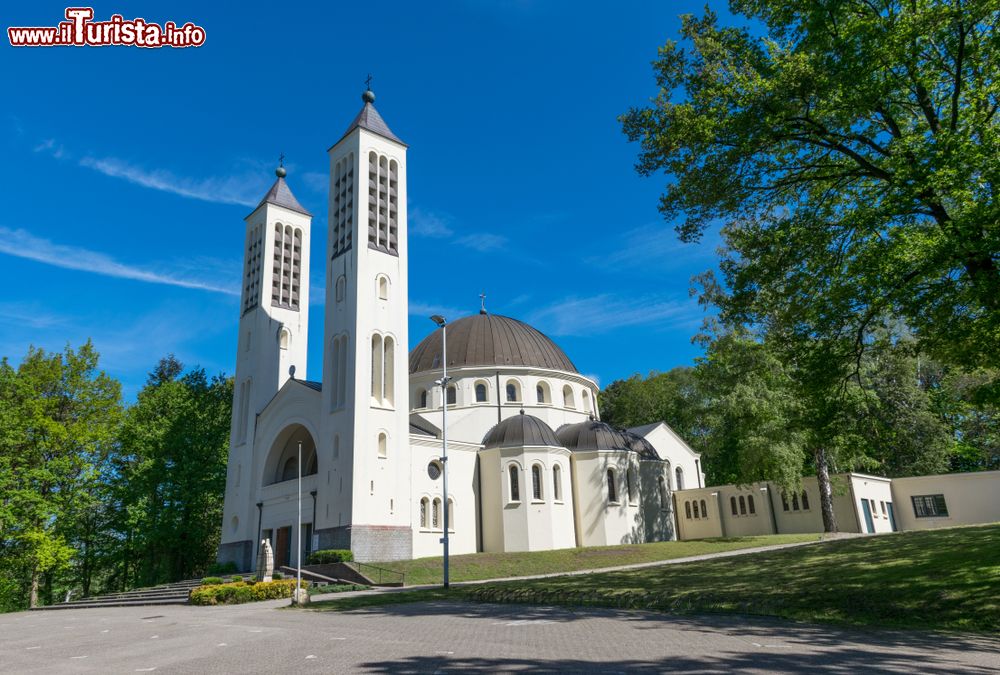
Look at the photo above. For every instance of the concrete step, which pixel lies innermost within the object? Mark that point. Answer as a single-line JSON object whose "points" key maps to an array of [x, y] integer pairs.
{"points": [[92, 604]]}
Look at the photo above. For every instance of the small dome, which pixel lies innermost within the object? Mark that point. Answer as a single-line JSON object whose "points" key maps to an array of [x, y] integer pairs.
{"points": [[640, 445], [520, 431], [592, 435], [490, 340]]}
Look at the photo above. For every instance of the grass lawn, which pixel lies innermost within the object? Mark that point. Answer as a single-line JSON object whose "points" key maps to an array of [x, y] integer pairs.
{"points": [[941, 579], [476, 566]]}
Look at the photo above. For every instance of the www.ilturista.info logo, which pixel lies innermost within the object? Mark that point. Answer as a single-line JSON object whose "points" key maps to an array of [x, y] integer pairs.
{"points": [[80, 30]]}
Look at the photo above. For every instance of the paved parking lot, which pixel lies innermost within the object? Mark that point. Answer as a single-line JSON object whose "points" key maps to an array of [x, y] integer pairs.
{"points": [[457, 637]]}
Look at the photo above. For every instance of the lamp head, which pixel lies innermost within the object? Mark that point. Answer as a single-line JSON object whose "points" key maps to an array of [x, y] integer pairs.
{"points": [[439, 320]]}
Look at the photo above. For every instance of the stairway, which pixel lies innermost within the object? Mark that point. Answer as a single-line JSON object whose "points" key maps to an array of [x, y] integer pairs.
{"points": [[167, 594]]}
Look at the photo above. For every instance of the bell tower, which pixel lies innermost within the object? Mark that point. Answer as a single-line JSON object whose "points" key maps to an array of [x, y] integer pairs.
{"points": [[365, 345], [274, 325]]}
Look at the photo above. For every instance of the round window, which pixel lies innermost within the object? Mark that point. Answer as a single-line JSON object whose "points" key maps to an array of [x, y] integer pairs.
{"points": [[434, 470]]}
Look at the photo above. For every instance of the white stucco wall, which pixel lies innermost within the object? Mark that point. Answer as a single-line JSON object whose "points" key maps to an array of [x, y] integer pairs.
{"points": [[970, 498]]}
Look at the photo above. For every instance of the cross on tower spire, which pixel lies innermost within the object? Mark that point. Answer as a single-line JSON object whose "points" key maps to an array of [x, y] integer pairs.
{"points": [[368, 81], [482, 303]]}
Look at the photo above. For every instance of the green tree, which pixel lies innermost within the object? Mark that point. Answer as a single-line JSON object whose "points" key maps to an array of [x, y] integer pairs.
{"points": [[673, 397], [173, 464], [851, 140], [57, 426]]}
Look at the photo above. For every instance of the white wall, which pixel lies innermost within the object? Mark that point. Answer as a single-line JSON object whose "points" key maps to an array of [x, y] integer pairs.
{"points": [[970, 498]]}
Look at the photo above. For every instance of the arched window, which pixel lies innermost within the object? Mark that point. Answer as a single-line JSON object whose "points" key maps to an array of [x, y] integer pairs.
{"points": [[697, 513], [568, 400], [557, 483], [451, 514], [342, 379], [536, 482], [784, 501], [436, 514], [542, 393], [383, 445], [341, 288], [422, 397], [795, 501], [743, 506], [805, 500], [732, 506], [515, 489], [481, 392], [630, 484], [612, 488], [389, 372], [513, 391], [586, 400], [687, 510], [424, 504], [750, 505], [284, 337], [377, 368], [452, 395], [383, 287], [679, 474], [704, 509], [662, 485], [335, 364]]}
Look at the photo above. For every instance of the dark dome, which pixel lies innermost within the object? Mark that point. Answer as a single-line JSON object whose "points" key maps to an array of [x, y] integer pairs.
{"points": [[591, 435], [519, 431], [640, 445], [489, 340]]}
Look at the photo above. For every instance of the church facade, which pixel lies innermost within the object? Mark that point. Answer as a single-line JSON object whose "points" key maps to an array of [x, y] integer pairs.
{"points": [[530, 464]]}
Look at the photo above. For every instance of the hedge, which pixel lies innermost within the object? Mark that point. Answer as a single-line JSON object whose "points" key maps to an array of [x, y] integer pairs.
{"points": [[223, 568], [236, 593], [330, 555], [211, 581]]}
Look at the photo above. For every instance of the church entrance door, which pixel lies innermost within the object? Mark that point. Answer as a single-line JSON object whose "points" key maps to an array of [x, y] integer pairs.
{"points": [[283, 548]]}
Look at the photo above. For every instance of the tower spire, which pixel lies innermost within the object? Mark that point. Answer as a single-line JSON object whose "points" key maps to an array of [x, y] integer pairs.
{"points": [[482, 303]]}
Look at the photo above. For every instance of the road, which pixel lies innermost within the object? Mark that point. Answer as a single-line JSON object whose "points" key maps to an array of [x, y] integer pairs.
{"points": [[458, 637]]}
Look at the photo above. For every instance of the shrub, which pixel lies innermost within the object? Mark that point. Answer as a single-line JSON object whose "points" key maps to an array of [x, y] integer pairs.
{"points": [[236, 579], [330, 555], [209, 581], [239, 592], [277, 575], [222, 568]]}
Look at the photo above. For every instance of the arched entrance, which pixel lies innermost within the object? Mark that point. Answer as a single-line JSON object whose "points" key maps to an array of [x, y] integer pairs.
{"points": [[283, 459], [280, 475]]}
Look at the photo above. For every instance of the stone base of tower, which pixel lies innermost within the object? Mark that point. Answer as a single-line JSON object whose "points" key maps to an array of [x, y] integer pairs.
{"points": [[239, 552], [370, 543]]}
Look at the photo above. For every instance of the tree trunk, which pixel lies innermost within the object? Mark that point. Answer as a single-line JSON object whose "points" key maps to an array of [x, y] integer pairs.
{"points": [[33, 598], [825, 491]]}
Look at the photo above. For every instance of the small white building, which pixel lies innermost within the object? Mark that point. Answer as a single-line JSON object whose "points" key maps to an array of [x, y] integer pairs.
{"points": [[530, 465]]}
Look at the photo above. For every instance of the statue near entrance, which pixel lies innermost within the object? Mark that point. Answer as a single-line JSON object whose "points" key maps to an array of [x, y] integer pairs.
{"points": [[265, 561]]}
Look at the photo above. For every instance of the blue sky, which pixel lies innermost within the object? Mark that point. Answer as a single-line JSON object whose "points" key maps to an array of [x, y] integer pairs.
{"points": [[128, 173]]}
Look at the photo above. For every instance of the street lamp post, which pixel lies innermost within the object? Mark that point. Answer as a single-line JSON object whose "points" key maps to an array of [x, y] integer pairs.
{"points": [[443, 323]]}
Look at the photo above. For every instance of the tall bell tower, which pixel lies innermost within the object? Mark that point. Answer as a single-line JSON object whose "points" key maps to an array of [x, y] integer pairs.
{"points": [[274, 326], [365, 344]]}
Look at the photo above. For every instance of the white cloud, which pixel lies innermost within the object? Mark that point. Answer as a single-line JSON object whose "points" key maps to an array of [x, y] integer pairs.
{"points": [[28, 315], [427, 309], [243, 190], [482, 241], [22, 244], [316, 181], [606, 312], [50, 146], [426, 224], [652, 246]]}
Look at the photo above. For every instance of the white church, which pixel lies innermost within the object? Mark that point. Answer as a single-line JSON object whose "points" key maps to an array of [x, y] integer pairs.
{"points": [[530, 466]]}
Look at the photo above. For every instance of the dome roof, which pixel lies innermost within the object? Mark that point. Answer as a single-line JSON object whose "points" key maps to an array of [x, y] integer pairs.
{"points": [[591, 435], [520, 431], [490, 340], [597, 435]]}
